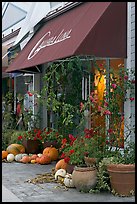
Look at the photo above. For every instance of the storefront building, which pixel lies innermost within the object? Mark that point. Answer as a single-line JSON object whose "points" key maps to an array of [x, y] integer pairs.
{"points": [[100, 30]]}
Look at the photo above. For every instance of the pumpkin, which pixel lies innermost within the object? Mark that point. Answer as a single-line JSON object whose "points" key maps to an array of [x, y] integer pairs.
{"points": [[68, 181], [34, 156], [61, 164], [4, 154], [60, 173], [10, 157], [26, 159], [37, 160], [52, 152], [15, 149], [44, 159], [24, 154], [18, 157]]}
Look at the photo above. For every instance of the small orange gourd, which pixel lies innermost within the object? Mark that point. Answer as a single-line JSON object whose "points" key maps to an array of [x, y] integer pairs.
{"points": [[4, 154], [25, 159], [34, 156], [61, 164], [44, 159], [52, 152]]}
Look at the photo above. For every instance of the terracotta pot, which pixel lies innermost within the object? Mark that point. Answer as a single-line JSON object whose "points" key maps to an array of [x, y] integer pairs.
{"points": [[84, 178], [90, 161], [122, 178], [32, 146]]}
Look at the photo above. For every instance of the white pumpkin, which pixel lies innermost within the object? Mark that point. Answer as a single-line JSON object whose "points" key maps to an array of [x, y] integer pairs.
{"points": [[60, 174], [24, 154], [18, 157], [10, 157], [68, 181], [39, 155]]}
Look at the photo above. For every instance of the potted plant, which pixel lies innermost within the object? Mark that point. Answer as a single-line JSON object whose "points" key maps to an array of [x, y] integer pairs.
{"points": [[84, 178], [121, 171], [51, 137], [31, 140]]}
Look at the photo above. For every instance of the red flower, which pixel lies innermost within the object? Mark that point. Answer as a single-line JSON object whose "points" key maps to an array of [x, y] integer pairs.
{"points": [[107, 142], [132, 99], [110, 131], [64, 141], [71, 151], [106, 103], [67, 159], [114, 86], [88, 136], [20, 137], [81, 106], [107, 112], [63, 155], [86, 153], [126, 77]]}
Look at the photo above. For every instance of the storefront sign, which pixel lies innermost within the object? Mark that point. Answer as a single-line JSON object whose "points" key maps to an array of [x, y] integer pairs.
{"points": [[49, 40]]}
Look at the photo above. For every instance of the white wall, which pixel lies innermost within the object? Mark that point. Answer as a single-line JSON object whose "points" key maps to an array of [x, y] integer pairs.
{"points": [[130, 106]]}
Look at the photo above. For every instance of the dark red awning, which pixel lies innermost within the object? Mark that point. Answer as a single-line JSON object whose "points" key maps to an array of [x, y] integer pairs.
{"points": [[92, 28]]}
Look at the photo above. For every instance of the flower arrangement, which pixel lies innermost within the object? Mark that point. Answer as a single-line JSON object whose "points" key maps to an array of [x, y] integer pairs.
{"points": [[72, 150], [34, 134], [99, 140], [51, 135]]}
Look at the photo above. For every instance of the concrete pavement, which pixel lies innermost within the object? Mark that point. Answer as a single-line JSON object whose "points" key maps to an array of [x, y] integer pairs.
{"points": [[8, 196], [16, 189]]}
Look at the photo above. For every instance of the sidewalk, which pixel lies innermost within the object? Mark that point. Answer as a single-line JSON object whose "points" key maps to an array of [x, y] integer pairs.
{"points": [[16, 189], [8, 196]]}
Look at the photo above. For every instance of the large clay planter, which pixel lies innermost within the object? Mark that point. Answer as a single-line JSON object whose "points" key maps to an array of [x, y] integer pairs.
{"points": [[32, 146], [84, 178], [122, 178]]}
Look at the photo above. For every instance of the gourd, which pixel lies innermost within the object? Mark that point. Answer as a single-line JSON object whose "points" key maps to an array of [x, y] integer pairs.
{"points": [[15, 149], [37, 160], [68, 181], [4, 154], [60, 174], [52, 152], [26, 159], [39, 155], [61, 164], [44, 159], [34, 156], [33, 161], [10, 157], [18, 157]]}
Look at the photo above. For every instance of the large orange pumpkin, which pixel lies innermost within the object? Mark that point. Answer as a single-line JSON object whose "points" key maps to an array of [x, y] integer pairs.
{"points": [[4, 154], [15, 149], [61, 164], [52, 152]]}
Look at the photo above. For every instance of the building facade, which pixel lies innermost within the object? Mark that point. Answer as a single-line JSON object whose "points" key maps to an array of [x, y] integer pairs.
{"points": [[113, 54]]}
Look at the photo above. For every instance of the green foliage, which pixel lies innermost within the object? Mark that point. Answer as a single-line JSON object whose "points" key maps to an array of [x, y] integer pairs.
{"points": [[103, 181], [62, 85]]}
